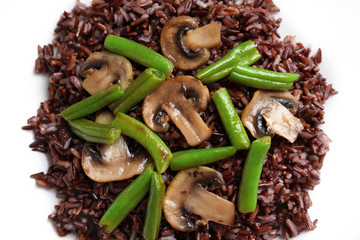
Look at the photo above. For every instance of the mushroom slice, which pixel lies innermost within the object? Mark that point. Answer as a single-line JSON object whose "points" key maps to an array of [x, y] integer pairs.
{"points": [[178, 99], [106, 163], [103, 69], [186, 45], [271, 112], [186, 195]]}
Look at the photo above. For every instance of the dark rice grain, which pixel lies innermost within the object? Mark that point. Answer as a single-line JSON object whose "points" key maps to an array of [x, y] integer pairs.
{"points": [[290, 170]]}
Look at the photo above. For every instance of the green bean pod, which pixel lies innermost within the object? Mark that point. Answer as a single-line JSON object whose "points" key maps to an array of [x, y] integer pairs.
{"points": [[138, 53], [197, 157], [147, 138], [127, 200], [145, 83], [247, 198], [92, 103], [258, 83], [245, 53], [266, 74], [231, 120], [94, 132], [261, 78], [154, 207]]}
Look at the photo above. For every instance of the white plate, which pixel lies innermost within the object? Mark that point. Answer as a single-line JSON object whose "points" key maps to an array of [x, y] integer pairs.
{"points": [[329, 24]]}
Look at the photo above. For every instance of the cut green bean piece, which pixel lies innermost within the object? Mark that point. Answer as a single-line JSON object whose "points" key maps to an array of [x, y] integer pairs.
{"points": [[198, 157], [265, 74], [231, 120], [247, 198], [154, 207], [94, 132], [145, 83], [127, 200], [139, 53], [92, 103], [147, 138], [245, 53], [258, 83]]}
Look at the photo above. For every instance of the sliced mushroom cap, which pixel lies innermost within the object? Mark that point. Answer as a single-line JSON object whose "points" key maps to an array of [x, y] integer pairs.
{"points": [[106, 163], [178, 99], [271, 112], [186, 45], [186, 195], [103, 69]]}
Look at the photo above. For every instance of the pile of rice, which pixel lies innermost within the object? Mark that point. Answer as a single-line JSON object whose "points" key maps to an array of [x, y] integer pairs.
{"points": [[290, 170]]}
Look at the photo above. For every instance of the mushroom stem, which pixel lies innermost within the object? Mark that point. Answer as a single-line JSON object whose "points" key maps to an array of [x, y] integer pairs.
{"points": [[216, 209], [188, 121], [207, 36]]}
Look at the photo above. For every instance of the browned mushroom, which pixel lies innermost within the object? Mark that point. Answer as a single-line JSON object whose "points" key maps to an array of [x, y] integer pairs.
{"points": [[186, 195], [103, 69], [178, 99], [106, 163], [186, 45], [271, 112]]}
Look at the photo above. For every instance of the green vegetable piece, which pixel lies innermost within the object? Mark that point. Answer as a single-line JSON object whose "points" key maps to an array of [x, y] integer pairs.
{"points": [[92, 103], [94, 132], [154, 207], [145, 83], [139, 53], [151, 141], [261, 78], [258, 83], [247, 198], [266, 74], [127, 200], [231, 120], [197, 157], [245, 54]]}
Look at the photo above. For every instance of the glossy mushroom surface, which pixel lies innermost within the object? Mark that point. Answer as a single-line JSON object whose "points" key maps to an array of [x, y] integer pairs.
{"points": [[106, 163], [179, 99], [186, 194], [103, 69], [186, 45], [271, 112]]}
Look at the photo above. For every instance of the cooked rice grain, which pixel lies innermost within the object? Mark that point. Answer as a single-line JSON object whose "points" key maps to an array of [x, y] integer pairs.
{"points": [[290, 170]]}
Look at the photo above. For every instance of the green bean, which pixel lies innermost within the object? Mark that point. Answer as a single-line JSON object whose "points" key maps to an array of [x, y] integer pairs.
{"points": [[261, 78], [93, 131], [231, 120], [145, 83], [138, 53], [92, 103], [247, 198], [258, 83], [266, 74], [197, 157], [154, 207], [127, 200], [147, 138], [245, 53]]}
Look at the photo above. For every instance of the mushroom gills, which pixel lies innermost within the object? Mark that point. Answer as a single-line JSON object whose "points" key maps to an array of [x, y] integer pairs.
{"points": [[186, 45], [185, 196], [279, 120], [271, 112], [102, 69], [106, 163], [178, 99], [183, 46]]}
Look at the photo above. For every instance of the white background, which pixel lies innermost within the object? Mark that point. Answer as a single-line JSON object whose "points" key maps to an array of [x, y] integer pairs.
{"points": [[329, 24]]}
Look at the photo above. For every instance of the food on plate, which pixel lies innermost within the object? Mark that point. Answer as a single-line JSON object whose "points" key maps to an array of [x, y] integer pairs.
{"points": [[218, 136], [186, 45]]}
